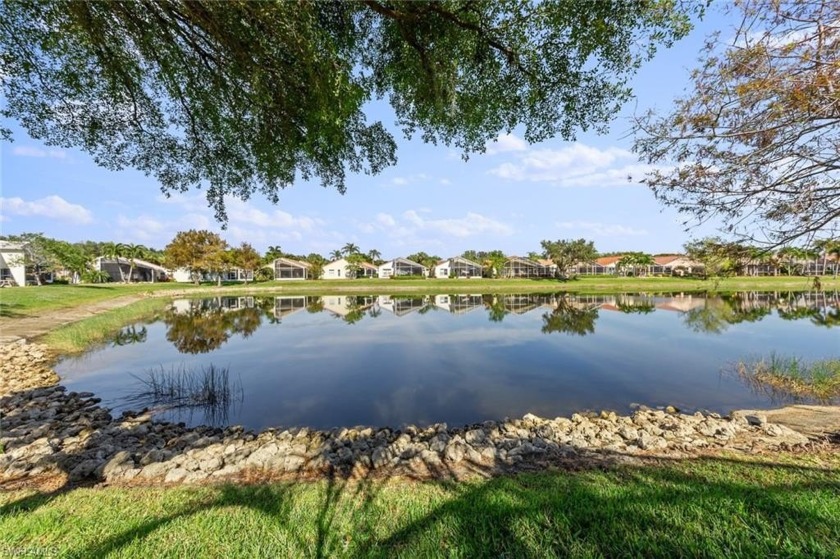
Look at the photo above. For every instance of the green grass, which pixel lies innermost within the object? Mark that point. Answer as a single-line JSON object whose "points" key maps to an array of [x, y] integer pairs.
{"points": [[82, 335], [19, 302], [697, 508], [27, 301], [794, 376]]}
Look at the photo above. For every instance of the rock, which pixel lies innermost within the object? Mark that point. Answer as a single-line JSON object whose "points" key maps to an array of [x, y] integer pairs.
{"points": [[117, 464], [454, 451], [155, 470], [671, 410], [756, 419], [174, 475], [629, 433], [476, 436], [85, 468]]}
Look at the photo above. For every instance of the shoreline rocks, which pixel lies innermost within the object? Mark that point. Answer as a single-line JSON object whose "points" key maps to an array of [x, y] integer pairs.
{"points": [[49, 430]]}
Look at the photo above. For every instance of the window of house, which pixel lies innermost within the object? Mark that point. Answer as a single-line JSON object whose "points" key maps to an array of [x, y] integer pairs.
{"points": [[5, 274]]}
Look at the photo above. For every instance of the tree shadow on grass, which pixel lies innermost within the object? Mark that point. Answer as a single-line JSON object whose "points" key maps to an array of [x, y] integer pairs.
{"points": [[708, 507], [8, 310]]}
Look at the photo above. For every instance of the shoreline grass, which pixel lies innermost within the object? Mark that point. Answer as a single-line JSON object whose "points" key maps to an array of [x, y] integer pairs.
{"points": [[29, 301], [723, 506], [80, 336], [793, 377]]}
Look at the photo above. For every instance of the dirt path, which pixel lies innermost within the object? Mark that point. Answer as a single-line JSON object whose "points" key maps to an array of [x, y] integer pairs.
{"points": [[13, 329], [812, 421]]}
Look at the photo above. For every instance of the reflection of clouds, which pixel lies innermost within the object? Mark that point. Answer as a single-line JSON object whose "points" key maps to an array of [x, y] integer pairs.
{"points": [[425, 368]]}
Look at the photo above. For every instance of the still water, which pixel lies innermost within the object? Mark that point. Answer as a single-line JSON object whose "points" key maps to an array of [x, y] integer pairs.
{"points": [[389, 360]]}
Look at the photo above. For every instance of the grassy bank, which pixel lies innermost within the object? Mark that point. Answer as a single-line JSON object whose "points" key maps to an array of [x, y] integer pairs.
{"points": [[79, 336], [714, 507], [27, 301], [793, 377], [19, 302]]}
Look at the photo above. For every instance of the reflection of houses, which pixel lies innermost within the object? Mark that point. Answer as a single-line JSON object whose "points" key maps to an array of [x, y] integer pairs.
{"points": [[342, 305], [118, 269], [401, 267], [342, 269], [457, 267], [288, 269], [520, 304], [401, 306], [284, 306], [459, 304], [236, 303], [518, 267], [12, 264]]}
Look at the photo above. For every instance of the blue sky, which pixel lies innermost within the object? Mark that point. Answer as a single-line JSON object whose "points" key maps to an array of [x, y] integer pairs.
{"points": [[509, 198]]}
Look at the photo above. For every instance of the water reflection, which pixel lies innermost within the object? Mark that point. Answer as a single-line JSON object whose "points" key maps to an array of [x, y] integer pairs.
{"points": [[366, 359], [202, 325]]}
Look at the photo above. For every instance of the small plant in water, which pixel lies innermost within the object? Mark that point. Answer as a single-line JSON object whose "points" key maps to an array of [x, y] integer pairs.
{"points": [[207, 389], [792, 378]]}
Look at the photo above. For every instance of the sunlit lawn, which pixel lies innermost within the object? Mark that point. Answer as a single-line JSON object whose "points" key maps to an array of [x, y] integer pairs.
{"points": [[697, 508]]}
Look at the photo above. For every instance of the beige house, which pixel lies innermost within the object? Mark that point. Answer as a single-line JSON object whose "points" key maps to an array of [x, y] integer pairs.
{"points": [[457, 267]]}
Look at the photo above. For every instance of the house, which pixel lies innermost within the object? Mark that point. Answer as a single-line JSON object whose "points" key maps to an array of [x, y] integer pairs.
{"points": [[549, 265], [457, 267], [591, 268], [12, 264], [674, 265], [118, 269], [518, 267], [288, 269], [402, 267], [342, 269], [183, 275], [609, 264]]}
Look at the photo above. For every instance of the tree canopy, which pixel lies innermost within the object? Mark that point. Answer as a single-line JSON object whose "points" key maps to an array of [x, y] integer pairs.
{"points": [[567, 253], [756, 142], [246, 97]]}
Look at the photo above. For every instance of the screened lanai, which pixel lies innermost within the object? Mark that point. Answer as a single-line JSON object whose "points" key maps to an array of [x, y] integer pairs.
{"points": [[517, 267], [459, 268], [286, 269]]}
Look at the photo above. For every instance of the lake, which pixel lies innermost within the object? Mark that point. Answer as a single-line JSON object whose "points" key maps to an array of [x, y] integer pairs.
{"points": [[341, 360]]}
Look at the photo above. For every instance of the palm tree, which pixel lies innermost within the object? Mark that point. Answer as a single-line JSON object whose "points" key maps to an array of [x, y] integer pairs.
{"points": [[130, 251], [350, 248], [113, 250], [336, 254], [374, 255]]}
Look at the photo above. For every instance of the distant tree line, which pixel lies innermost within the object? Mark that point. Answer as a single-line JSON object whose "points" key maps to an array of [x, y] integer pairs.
{"points": [[204, 253]]}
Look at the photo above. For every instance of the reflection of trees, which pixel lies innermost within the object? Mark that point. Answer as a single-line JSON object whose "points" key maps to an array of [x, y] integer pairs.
{"points": [[717, 314], [496, 310], [645, 307], [568, 319], [207, 326], [314, 305], [130, 335]]}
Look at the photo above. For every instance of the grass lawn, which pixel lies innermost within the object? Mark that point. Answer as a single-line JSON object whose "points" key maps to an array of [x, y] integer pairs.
{"points": [[20, 302], [705, 507]]}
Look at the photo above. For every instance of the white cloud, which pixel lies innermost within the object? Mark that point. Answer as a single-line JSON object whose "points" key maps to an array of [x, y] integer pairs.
{"points": [[573, 165], [602, 229], [411, 226], [31, 151], [445, 182], [409, 179], [53, 206], [506, 143]]}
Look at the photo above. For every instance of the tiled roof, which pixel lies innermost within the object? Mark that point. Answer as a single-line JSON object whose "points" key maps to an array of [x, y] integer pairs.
{"points": [[607, 260]]}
